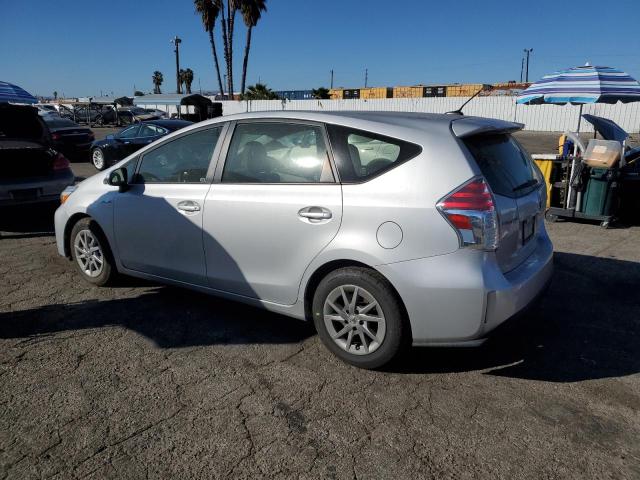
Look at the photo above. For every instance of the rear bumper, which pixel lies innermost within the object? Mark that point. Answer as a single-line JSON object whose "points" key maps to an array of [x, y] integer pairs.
{"points": [[35, 190], [457, 299]]}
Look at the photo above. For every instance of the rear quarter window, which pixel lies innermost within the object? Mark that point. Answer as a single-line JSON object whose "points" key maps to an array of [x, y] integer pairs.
{"points": [[362, 155], [505, 164]]}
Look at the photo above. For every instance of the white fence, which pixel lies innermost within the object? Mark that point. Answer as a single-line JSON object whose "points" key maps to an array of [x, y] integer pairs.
{"points": [[545, 118]]}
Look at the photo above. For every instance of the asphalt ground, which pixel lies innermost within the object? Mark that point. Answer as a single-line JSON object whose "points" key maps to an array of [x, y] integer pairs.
{"points": [[148, 381]]}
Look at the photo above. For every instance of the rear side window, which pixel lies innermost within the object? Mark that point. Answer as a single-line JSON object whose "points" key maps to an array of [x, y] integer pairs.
{"points": [[504, 163], [362, 155]]}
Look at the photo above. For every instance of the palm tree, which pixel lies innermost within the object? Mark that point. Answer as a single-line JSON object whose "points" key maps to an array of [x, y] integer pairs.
{"points": [[320, 93], [209, 10], [181, 77], [228, 23], [259, 91], [187, 79], [251, 11], [55, 95], [157, 81]]}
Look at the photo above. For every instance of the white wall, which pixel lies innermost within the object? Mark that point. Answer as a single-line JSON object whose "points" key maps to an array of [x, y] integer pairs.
{"points": [[549, 118]]}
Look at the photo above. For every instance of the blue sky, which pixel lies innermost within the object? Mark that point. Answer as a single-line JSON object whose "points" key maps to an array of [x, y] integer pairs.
{"points": [[83, 47]]}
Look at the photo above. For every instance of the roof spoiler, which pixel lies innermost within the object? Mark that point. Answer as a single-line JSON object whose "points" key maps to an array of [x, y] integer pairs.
{"points": [[468, 126]]}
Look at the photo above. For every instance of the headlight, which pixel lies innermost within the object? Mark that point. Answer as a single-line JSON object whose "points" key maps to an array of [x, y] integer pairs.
{"points": [[66, 192]]}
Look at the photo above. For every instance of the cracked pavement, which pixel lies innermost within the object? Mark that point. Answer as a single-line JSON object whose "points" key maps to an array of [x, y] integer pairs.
{"points": [[147, 381]]}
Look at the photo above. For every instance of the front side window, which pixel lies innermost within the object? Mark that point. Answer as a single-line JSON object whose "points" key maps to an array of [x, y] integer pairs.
{"points": [[277, 153], [362, 155], [182, 160], [130, 132], [151, 131]]}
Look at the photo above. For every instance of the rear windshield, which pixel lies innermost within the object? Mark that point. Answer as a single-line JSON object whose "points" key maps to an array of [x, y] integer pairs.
{"points": [[59, 122], [504, 163]]}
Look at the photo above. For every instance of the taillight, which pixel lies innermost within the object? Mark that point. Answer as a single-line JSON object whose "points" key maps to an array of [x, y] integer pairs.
{"points": [[60, 162], [471, 211]]}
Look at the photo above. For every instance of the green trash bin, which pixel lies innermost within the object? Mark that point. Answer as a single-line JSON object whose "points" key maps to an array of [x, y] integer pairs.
{"points": [[598, 198]]}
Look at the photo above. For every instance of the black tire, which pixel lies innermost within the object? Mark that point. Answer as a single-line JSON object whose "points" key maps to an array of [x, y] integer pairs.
{"points": [[96, 154], [397, 331], [108, 270], [550, 217]]}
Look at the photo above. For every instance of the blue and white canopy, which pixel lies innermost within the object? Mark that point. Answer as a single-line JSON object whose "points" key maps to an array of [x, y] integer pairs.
{"points": [[583, 85], [14, 94]]}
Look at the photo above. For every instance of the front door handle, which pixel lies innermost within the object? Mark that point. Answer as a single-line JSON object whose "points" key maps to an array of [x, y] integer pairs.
{"points": [[315, 213], [189, 206]]}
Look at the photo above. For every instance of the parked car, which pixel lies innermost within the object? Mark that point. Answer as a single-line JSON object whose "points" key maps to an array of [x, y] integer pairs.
{"points": [[437, 241], [30, 170], [69, 138], [156, 113], [113, 148]]}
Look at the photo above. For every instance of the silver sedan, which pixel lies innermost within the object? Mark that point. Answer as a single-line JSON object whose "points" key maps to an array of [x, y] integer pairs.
{"points": [[384, 229]]}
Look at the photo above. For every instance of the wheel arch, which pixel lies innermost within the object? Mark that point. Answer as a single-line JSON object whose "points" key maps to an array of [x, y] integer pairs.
{"points": [[323, 270]]}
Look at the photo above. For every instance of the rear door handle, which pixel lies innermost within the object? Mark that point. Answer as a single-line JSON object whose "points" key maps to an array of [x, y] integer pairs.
{"points": [[188, 206], [315, 213]]}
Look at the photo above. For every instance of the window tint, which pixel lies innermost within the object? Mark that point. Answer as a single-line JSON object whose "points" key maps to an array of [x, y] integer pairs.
{"points": [[183, 160], [277, 153], [363, 155], [504, 163], [151, 131], [130, 132]]}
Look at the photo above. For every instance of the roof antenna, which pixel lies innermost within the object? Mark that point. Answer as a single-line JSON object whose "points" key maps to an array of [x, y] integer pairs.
{"points": [[485, 88]]}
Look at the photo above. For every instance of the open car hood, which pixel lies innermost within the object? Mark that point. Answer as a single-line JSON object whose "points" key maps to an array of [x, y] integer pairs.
{"points": [[21, 122], [608, 129]]}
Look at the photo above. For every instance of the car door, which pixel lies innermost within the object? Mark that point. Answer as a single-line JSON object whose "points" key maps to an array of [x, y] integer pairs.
{"points": [[124, 141], [274, 205], [158, 220]]}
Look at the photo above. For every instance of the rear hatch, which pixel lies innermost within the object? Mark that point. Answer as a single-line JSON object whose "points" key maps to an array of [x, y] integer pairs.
{"points": [[24, 143], [518, 191]]}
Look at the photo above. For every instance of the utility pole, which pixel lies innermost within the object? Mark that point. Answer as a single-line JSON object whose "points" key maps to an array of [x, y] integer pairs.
{"points": [[522, 69], [331, 78], [527, 52], [366, 77], [176, 42]]}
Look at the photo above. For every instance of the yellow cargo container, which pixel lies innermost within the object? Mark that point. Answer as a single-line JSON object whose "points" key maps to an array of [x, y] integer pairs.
{"points": [[408, 92], [464, 90], [375, 92], [335, 94]]}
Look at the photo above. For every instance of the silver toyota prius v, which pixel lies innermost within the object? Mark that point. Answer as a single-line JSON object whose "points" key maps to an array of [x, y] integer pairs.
{"points": [[384, 229]]}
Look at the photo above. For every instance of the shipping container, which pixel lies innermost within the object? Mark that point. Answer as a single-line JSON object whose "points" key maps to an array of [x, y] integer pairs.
{"points": [[376, 92], [464, 90], [435, 91], [295, 94], [336, 94], [408, 92], [351, 93]]}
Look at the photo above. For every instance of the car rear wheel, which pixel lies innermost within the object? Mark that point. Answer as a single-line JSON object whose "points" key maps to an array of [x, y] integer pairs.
{"points": [[359, 317], [90, 253], [97, 158]]}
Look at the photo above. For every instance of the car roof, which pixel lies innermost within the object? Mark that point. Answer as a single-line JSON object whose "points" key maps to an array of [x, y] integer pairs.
{"points": [[169, 123], [408, 125]]}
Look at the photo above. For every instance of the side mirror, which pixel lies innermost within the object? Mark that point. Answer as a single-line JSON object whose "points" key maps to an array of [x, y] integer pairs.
{"points": [[118, 178]]}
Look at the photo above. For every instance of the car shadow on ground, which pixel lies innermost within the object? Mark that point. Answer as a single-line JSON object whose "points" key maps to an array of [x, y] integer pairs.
{"points": [[587, 326], [27, 221]]}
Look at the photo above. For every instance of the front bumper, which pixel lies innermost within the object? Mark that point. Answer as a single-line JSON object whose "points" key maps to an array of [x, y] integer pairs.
{"points": [[21, 191], [458, 298]]}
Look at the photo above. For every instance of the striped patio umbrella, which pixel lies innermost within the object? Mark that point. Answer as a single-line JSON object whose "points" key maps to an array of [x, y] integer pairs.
{"points": [[14, 94], [580, 85]]}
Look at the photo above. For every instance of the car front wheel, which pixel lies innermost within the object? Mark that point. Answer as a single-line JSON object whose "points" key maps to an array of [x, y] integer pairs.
{"points": [[90, 252], [98, 159], [359, 318]]}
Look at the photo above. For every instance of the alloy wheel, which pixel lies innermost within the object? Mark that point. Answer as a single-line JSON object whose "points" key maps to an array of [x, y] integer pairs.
{"points": [[354, 319], [97, 158], [88, 253]]}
